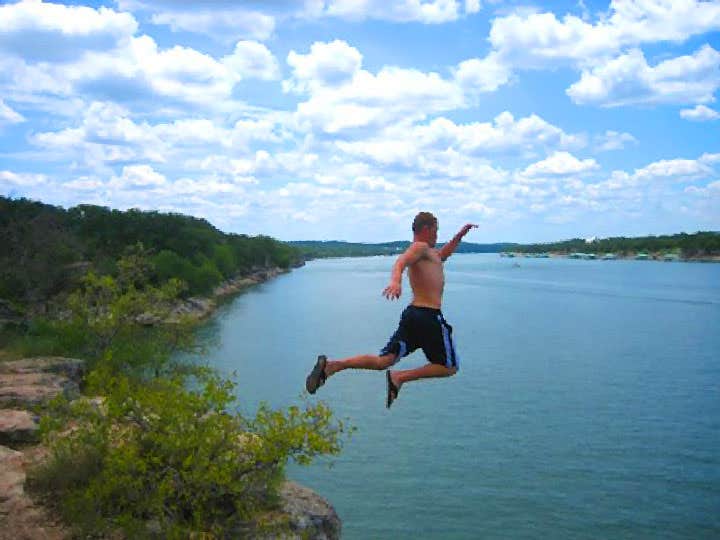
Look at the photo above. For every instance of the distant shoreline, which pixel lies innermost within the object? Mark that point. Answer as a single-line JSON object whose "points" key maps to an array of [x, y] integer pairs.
{"points": [[659, 257]]}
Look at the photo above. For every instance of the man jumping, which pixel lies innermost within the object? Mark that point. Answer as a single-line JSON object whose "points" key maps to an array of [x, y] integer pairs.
{"points": [[422, 325]]}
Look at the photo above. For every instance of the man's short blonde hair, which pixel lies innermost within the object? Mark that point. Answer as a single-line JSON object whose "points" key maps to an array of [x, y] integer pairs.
{"points": [[423, 219]]}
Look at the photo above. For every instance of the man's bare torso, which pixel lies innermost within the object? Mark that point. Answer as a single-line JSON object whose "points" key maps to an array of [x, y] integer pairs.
{"points": [[427, 280]]}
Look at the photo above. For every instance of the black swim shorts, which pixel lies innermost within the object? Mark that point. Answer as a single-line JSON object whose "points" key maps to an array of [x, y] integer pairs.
{"points": [[424, 328]]}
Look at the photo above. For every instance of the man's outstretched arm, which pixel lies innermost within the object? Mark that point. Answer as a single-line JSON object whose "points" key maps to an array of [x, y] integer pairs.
{"points": [[412, 254], [449, 248]]}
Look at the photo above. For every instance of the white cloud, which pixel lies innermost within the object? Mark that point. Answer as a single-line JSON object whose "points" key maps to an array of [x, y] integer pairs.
{"points": [[22, 179], [472, 6], [138, 176], [482, 75], [504, 133], [372, 183], [224, 24], [700, 113], [558, 164], [425, 11], [629, 79], [41, 31], [327, 64], [8, 115], [84, 183], [710, 158], [252, 59], [444, 148], [676, 169], [534, 39], [393, 95], [613, 140], [529, 39]]}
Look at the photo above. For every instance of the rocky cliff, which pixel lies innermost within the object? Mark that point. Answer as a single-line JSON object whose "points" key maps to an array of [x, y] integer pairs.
{"points": [[29, 383]]}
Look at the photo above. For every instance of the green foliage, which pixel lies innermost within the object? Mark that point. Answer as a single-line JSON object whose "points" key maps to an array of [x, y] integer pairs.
{"points": [[158, 455], [45, 249], [163, 455]]}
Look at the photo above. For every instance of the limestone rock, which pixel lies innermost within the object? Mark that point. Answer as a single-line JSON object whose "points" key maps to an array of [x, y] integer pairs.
{"points": [[310, 516], [12, 476], [20, 517], [17, 427], [71, 368], [30, 389], [33, 381]]}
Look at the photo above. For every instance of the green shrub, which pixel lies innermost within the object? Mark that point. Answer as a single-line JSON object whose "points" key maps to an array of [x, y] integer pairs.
{"points": [[164, 456], [159, 459]]}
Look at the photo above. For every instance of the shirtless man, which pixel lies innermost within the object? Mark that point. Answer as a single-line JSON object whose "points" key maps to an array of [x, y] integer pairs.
{"points": [[422, 325]]}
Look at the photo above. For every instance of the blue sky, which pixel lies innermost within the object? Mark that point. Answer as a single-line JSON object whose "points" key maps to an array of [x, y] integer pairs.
{"points": [[341, 119]]}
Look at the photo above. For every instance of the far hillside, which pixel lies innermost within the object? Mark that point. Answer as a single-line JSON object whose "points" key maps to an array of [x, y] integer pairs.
{"points": [[45, 248], [699, 245], [333, 248]]}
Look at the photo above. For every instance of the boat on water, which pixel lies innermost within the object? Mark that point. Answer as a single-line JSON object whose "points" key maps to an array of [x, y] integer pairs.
{"points": [[642, 257], [609, 257]]}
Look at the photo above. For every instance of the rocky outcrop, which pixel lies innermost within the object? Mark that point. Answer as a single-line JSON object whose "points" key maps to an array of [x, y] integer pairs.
{"points": [[26, 384], [199, 308], [18, 426], [33, 381], [309, 515], [302, 513]]}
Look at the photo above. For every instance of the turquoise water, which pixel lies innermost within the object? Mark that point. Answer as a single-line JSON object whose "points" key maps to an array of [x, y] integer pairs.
{"points": [[587, 405]]}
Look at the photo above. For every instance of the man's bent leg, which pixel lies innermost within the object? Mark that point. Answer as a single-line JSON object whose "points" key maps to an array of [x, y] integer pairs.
{"points": [[363, 361], [427, 371]]}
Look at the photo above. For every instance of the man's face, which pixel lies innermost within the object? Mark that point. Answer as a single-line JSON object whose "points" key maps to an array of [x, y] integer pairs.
{"points": [[432, 235]]}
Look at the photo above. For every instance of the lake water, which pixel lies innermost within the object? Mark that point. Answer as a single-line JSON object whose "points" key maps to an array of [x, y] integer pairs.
{"points": [[587, 405]]}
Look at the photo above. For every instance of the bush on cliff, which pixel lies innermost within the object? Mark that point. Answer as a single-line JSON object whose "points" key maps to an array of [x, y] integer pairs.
{"points": [[164, 456], [159, 459]]}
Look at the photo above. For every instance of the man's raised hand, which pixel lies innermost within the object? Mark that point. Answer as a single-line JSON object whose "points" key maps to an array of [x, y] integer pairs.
{"points": [[466, 228]]}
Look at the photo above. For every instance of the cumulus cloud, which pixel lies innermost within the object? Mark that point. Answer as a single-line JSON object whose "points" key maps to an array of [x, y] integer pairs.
{"points": [[107, 133], [629, 79], [252, 59], [536, 39], [482, 75], [530, 39], [446, 149], [41, 31], [223, 24], [613, 140], [21, 179], [700, 113], [57, 50], [675, 169], [84, 183], [138, 177], [342, 102], [327, 64], [424, 11], [560, 163], [8, 115]]}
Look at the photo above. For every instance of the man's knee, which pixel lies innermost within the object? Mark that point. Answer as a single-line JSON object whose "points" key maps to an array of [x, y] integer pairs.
{"points": [[386, 361]]}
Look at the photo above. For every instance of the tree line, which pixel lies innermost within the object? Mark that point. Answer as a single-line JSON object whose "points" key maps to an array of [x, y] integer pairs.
{"points": [[699, 244], [44, 248], [312, 249]]}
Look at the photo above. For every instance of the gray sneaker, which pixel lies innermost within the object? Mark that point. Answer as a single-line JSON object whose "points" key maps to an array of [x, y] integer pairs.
{"points": [[317, 376]]}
